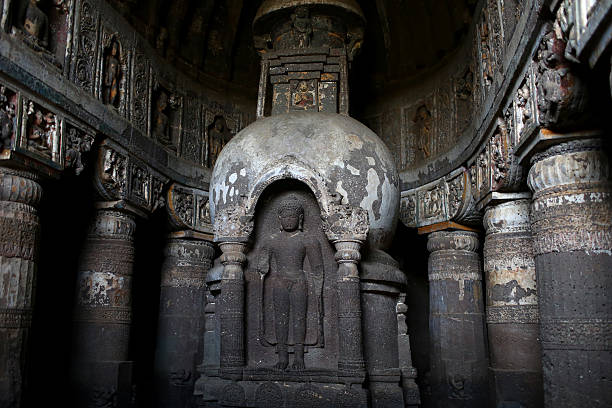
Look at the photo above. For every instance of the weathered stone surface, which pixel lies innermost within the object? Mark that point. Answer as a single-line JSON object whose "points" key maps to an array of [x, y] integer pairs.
{"points": [[512, 305], [180, 327], [20, 195], [571, 224], [458, 369], [103, 310]]}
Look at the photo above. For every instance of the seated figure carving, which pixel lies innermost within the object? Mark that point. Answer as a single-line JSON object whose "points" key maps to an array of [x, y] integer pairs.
{"points": [[283, 256]]}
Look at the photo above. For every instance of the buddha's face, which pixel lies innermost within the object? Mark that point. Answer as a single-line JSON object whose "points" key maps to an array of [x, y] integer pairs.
{"points": [[289, 220]]}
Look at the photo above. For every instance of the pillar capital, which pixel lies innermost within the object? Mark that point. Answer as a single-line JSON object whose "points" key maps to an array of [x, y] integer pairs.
{"points": [[453, 240], [508, 217]]}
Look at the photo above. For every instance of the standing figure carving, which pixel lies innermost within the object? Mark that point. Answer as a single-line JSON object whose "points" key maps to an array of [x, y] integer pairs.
{"points": [[34, 23], [160, 121], [423, 122], [112, 74], [283, 257], [218, 136], [7, 118]]}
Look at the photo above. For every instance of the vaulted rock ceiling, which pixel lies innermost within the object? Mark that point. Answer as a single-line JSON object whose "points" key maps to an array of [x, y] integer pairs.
{"points": [[213, 38]]}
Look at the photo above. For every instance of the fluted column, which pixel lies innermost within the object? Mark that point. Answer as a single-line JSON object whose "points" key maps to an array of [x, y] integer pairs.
{"points": [[456, 322], [181, 312], [20, 194], [103, 311], [571, 221], [512, 305]]}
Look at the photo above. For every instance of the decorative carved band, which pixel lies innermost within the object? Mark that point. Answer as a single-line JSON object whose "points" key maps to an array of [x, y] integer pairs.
{"points": [[19, 186], [110, 224], [345, 223], [582, 334], [20, 230], [463, 276], [569, 163], [509, 217], [453, 240], [15, 318], [522, 314], [103, 314]]}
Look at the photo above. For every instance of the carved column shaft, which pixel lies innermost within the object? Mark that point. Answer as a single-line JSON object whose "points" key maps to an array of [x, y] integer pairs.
{"points": [[456, 322], [181, 322], [232, 308], [103, 310], [512, 305], [571, 221], [19, 233], [350, 358]]}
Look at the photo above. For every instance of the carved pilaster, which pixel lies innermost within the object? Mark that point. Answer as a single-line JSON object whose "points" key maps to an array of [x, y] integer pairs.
{"points": [[20, 194], [458, 368], [103, 309], [347, 227], [571, 221], [512, 305], [180, 329], [232, 230]]}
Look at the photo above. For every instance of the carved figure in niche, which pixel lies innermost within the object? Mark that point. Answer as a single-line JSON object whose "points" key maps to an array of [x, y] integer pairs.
{"points": [[40, 130], [34, 23], [160, 121], [303, 96], [457, 384], [218, 136], [7, 117], [423, 124], [162, 41], [112, 74], [302, 27], [282, 256]]}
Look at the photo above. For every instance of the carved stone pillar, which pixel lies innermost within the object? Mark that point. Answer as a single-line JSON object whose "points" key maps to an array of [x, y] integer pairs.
{"points": [[180, 328], [232, 309], [103, 311], [571, 221], [232, 230], [456, 322], [512, 305], [20, 194], [347, 227]]}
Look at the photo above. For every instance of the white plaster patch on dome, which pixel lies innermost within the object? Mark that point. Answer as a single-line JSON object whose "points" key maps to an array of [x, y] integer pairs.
{"points": [[353, 170], [338, 162], [354, 142], [231, 193], [221, 190], [390, 194], [371, 160], [232, 178], [342, 192], [243, 172], [372, 190]]}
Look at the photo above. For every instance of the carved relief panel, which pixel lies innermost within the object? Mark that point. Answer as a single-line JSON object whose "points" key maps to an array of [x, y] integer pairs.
{"points": [[113, 72], [418, 131], [189, 208], [40, 131], [192, 143], [219, 126], [8, 116], [290, 287], [85, 46], [166, 117], [140, 90], [43, 26], [78, 141]]}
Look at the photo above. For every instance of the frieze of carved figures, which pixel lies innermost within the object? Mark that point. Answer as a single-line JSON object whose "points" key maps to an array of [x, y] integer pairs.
{"points": [[524, 108], [8, 119], [165, 117], [189, 208], [506, 173], [40, 129], [449, 198], [346, 222], [140, 90], [78, 143], [119, 176], [220, 127]]}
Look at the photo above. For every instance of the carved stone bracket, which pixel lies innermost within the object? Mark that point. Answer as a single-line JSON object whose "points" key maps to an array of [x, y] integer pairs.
{"points": [[119, 176], [232, 224], [188, 208], [450, 198], [346, 222]]}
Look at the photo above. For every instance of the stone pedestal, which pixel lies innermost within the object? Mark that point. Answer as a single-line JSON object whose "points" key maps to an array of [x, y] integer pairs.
{"points": [[103, 311], [456, 323], [181, 322], [512, 306], [20, 193], [571, 221]]}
